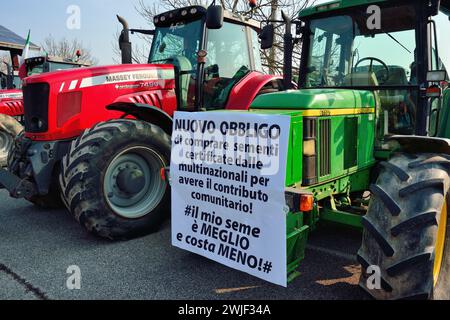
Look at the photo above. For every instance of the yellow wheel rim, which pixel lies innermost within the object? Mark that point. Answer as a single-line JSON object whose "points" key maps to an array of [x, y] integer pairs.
{"points": [[440, 243]]}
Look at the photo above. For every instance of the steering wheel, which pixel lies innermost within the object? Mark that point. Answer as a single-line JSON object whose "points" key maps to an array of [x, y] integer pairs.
{"points": [[372, 59]]}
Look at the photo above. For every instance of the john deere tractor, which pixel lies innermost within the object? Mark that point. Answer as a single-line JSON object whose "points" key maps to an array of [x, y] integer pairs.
{"points": [[369, 137], [98, 137]]}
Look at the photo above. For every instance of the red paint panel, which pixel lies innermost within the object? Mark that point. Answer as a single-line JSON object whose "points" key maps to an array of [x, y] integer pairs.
{"points": [[243, 94], [97, 93]]}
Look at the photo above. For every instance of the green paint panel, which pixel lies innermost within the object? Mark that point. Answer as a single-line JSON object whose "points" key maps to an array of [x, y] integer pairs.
{"points": [[295, 150], [354, 180], [341, 217], [343, 143], [351, 142], [316, 99], [297, 236]]}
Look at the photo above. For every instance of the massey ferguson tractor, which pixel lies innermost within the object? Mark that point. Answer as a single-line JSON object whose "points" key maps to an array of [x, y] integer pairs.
{"points": [[11, 97], [370, 136], [99, 136]]}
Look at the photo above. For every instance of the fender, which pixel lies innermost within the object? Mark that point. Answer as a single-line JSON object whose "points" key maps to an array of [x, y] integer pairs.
{"points": [[419, 144], [243, 94], [144, 112]]}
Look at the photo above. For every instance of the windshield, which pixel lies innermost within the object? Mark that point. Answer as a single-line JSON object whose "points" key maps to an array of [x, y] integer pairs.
{"points": [[50, 66], [37, 69], [54, 66], [181, 39], [345, 51], [228, 62]]}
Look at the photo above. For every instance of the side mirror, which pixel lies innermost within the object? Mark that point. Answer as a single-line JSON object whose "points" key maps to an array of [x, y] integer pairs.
{"points": [[434, 7], [436, 76], [214, 17], [267, 36]]}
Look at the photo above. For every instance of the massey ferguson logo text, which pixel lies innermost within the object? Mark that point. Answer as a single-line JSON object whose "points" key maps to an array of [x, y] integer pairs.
{"points": [[129, 77], [11, 96]]}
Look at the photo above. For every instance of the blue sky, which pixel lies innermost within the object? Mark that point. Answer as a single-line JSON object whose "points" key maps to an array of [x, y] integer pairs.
{"points": [[98, 21]]}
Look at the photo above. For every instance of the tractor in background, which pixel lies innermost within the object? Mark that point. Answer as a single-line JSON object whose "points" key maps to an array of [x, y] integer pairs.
{"points": [[11, 109], [97, 137], [369, 143]]}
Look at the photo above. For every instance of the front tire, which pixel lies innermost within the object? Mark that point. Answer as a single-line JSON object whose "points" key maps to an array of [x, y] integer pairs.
{"points": [[9, 129], [111, 181], [406, 233]]}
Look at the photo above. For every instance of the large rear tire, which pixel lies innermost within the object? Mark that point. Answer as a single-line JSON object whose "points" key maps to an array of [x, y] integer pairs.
{"points": [[406, 233], [9, 129], [111, 180]]}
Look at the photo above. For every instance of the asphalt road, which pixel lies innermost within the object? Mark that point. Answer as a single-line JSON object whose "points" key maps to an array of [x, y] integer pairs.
{"points": [[37, 247]]}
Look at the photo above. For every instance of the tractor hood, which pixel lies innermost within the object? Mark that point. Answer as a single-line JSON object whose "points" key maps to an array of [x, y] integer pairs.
{"points": [[305, 99], [60, 105], [8, 95], [139, 76]]}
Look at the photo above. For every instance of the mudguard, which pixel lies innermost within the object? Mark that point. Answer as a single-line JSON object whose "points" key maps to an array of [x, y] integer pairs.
{"points": [[144, 112], [419, 144], [243, 94]]}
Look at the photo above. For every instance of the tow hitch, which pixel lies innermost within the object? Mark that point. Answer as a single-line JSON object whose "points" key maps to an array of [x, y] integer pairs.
{"points": [[18, 188]]}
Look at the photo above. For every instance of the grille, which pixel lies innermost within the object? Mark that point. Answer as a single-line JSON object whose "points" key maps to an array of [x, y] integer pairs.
{"points": [[325, 147], [351, 142], [35, 99]]}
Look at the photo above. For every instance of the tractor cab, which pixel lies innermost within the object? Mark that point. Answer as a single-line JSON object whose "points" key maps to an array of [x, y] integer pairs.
{"points": [[43, 64], [209, 59], [391, 48]]}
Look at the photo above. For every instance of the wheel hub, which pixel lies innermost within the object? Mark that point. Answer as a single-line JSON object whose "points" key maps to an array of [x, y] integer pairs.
{"points": [[131, 181], [132, 186]]}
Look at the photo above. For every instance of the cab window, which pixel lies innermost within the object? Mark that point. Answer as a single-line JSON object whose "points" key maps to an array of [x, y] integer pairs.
{"points": [[228, 61], [345, 52]]}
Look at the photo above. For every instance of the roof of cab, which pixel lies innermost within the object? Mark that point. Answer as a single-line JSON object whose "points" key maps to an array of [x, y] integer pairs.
{"points": [[201, 10], [342, 4]]}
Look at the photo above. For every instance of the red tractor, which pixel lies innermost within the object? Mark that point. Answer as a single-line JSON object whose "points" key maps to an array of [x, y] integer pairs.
{"points": [[99, 136], [11, 97]]}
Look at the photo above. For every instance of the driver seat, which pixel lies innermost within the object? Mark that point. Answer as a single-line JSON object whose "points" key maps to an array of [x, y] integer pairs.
{"points": [[361, 79], [392, 97]]}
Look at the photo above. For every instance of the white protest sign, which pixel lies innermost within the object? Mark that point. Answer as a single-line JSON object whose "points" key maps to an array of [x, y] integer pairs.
{"points": [[228, 180]]}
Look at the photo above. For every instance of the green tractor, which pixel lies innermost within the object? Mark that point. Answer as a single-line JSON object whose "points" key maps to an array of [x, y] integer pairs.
{"points": [[369, 141]]}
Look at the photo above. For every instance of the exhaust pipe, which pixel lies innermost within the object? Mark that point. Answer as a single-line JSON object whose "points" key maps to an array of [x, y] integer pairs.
{"points": [[9, 76], [288, 49], [124, 42]]}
